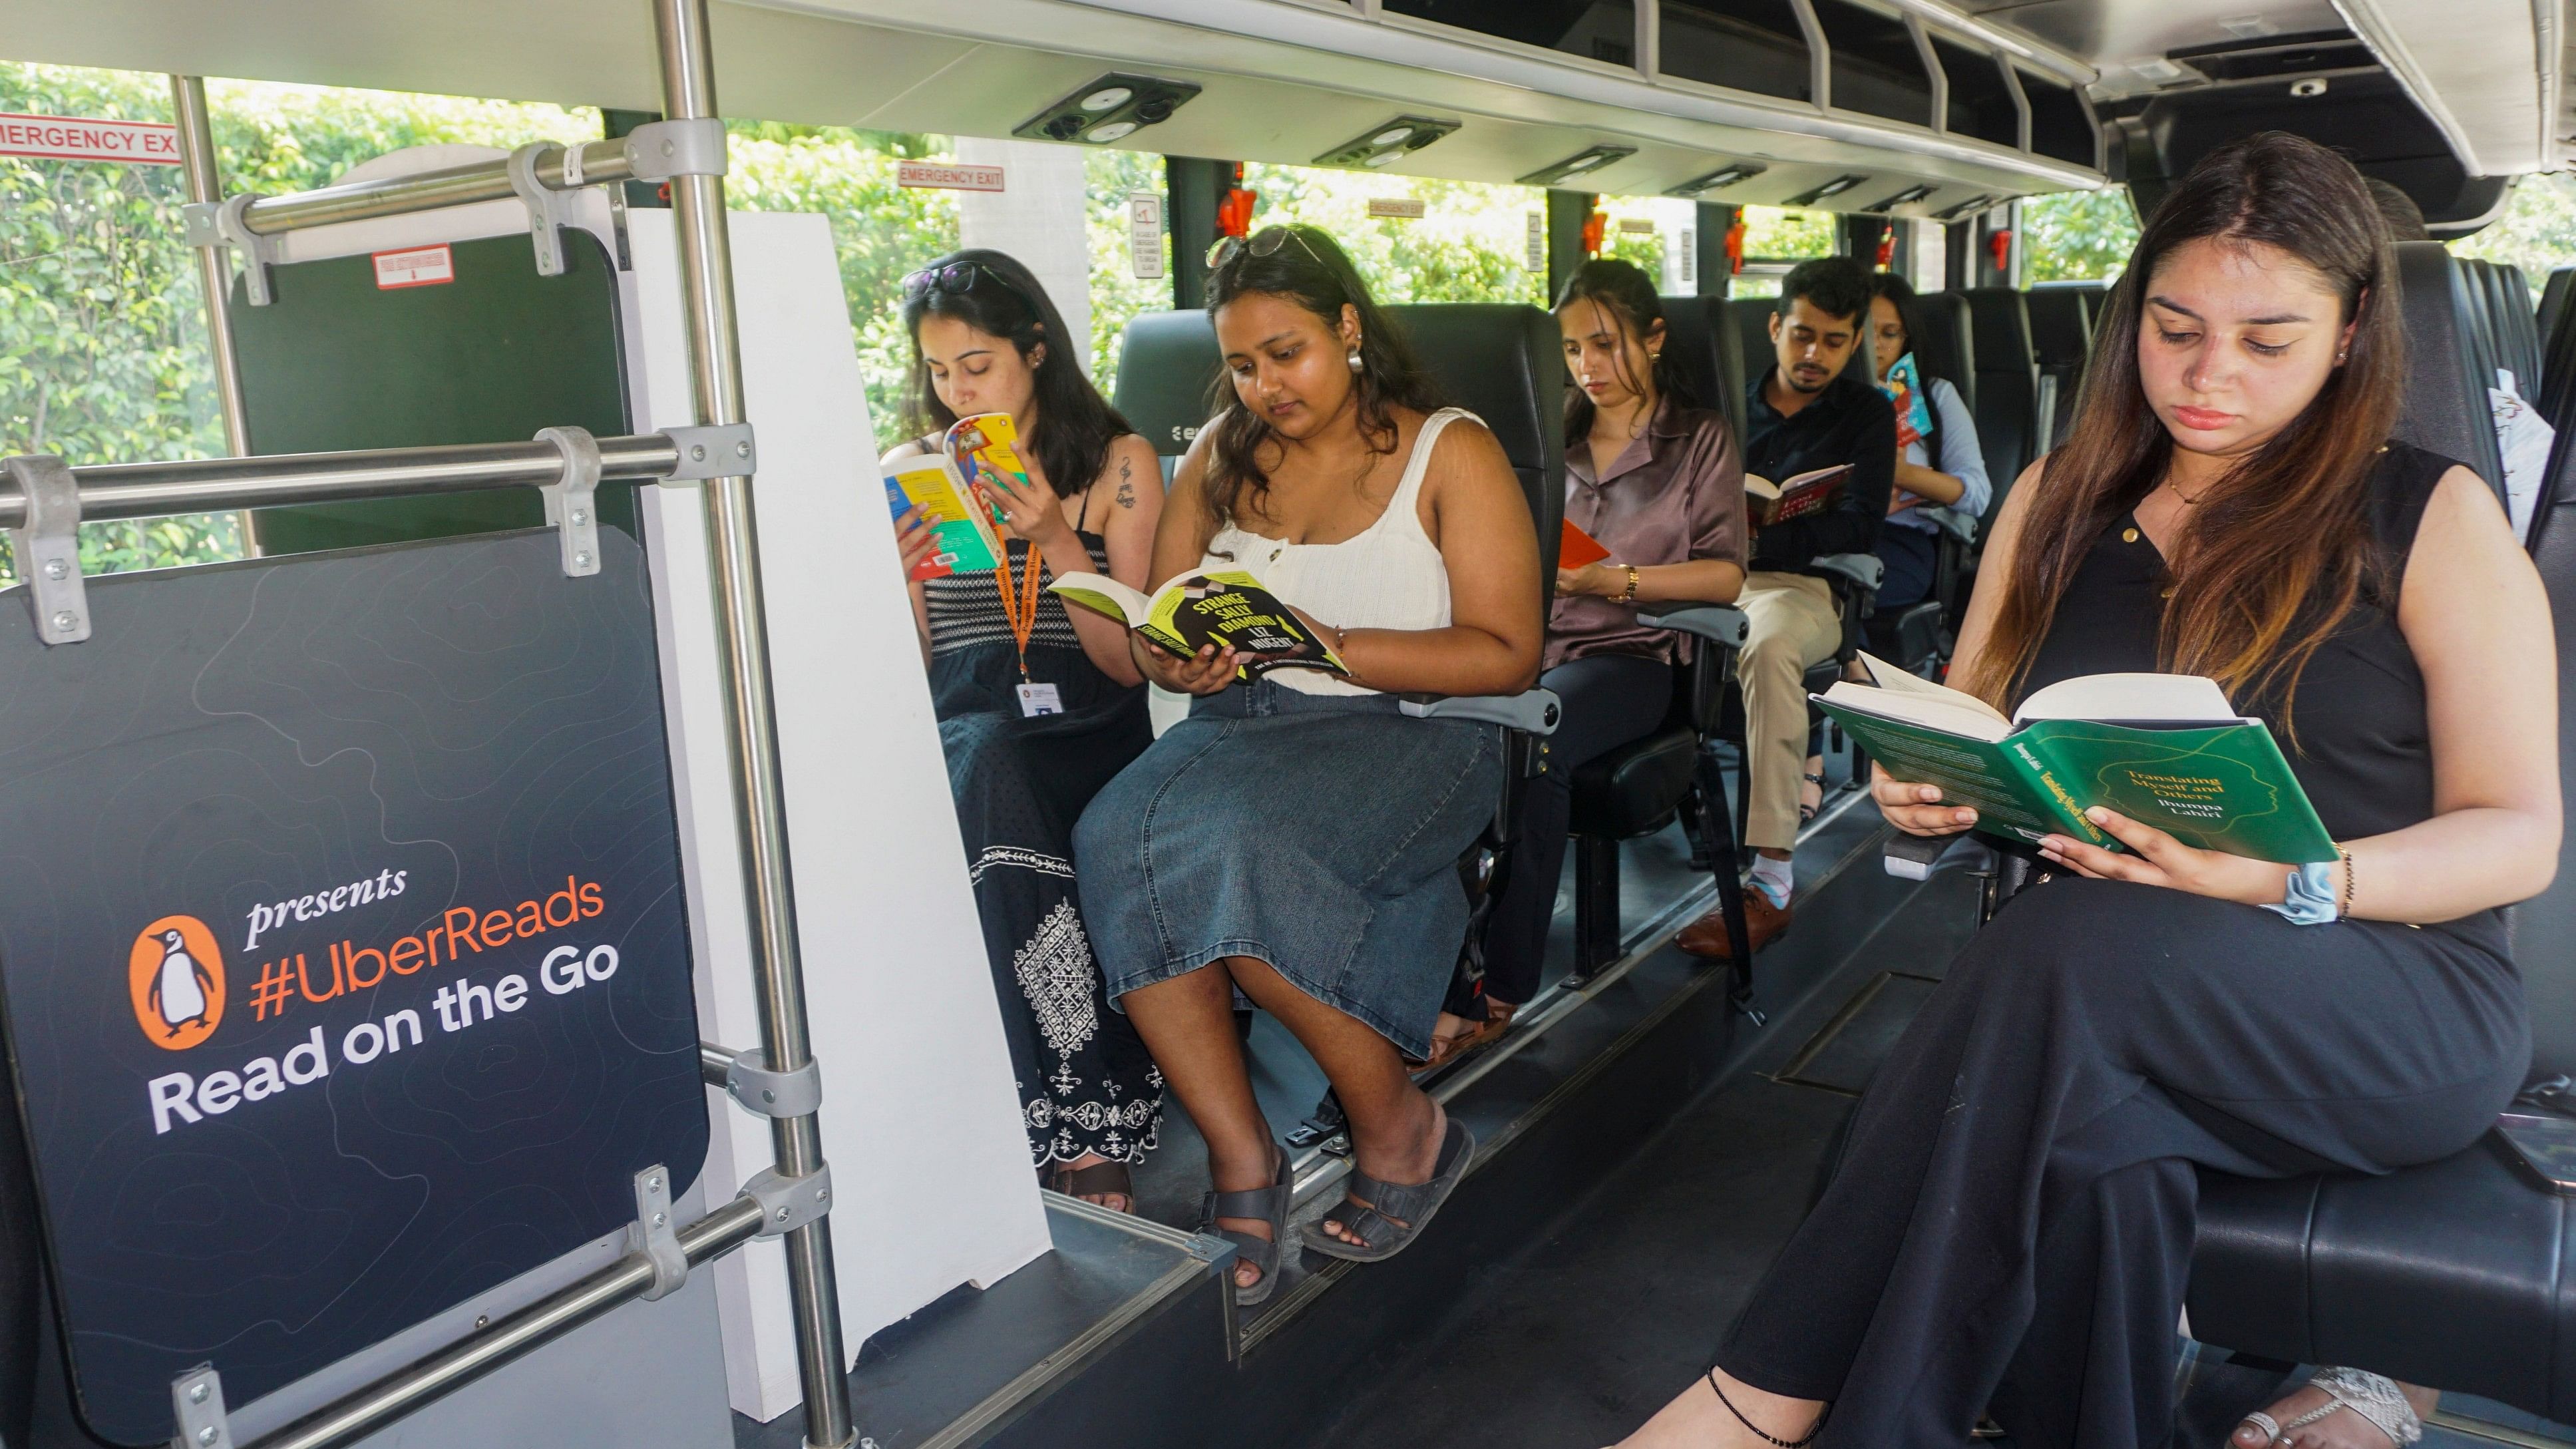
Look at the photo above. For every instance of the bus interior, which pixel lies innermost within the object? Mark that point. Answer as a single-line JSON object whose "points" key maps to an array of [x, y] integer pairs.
{"points": [[1654, 1124]]}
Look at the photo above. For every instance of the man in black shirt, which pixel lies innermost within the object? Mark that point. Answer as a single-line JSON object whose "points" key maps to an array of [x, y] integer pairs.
{"points": [[1804, 413]]}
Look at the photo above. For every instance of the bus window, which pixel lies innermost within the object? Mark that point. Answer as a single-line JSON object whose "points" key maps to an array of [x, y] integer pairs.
{"points": [[2077, 236]]}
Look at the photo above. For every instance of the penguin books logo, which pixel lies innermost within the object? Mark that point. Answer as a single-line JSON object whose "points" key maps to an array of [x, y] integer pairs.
{"points": [[177, 977]]}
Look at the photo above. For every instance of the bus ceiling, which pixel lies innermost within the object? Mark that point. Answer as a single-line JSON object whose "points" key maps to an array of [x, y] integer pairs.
{"points": [[1933, 106]]}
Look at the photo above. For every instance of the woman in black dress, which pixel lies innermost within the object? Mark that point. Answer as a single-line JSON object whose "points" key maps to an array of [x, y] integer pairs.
{"points": [[1033, 726], [2012, 1225]]}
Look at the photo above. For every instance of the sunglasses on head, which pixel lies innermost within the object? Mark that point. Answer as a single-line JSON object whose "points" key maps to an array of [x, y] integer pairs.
{"points": [[1260, 244], [956, 279]]}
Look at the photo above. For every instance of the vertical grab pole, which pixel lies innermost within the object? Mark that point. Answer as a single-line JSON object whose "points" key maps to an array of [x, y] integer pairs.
{"points": [[751, 730], [214, 269]]}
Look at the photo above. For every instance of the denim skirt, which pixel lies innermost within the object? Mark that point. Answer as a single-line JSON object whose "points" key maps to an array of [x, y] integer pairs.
{"points": [[1318, 833]]}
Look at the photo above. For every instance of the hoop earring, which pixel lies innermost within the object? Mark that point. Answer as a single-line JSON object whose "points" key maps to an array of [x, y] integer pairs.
{"points": [[1356, 364]]}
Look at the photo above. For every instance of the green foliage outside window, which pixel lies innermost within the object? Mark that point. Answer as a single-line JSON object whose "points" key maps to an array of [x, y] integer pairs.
{"points": [[2537, 232], [2075, 236]]}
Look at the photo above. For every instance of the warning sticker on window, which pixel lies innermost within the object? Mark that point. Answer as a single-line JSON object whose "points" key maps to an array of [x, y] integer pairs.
{"points": [[416, 267]]}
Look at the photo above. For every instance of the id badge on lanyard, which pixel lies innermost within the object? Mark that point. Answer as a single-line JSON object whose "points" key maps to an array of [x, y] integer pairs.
{"points": [[1035, 699]]}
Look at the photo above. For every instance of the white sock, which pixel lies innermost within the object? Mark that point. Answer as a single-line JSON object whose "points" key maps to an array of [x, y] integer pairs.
{"points": [[1774, 877]]}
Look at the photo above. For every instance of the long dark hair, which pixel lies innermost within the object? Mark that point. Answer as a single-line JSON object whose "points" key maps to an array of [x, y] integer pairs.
{"points": [[1075, 424], [1319, 277], [1909, 315], [2277, 552], [1622, 290]]}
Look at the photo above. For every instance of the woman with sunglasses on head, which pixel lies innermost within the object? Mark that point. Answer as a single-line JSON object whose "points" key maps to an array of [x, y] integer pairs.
{"points": [[2012, 1221], [1658, 482], [1297, 838], [1037, 707]]}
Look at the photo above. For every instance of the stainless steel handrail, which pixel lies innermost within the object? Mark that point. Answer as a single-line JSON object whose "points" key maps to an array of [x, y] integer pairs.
{"points": [[475, 181]]}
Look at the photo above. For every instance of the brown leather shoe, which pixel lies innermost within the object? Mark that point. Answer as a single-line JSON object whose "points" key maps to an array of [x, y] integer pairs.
{"points": [[1762, 921]]}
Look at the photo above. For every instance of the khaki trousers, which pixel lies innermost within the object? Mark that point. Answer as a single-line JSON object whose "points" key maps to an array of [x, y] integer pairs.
{"points": [[1794, 626]]}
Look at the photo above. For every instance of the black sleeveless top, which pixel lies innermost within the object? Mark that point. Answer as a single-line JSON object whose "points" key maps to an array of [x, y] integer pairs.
{"points": [[2363, 750]]}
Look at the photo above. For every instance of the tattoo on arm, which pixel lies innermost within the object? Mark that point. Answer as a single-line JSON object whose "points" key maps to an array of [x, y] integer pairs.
{"points": [[1126, 483]]}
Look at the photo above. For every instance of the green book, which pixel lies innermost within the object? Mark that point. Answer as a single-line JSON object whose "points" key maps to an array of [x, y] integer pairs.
{"points": [[2165, 750], [1226, 608]]}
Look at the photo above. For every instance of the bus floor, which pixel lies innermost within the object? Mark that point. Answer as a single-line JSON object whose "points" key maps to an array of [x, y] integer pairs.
{"points": [[1615, 1305]]}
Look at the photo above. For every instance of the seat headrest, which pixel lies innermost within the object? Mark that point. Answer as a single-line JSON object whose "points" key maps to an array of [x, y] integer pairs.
{"points": [[2061, 325], [2445, 408], [1708, 353], [1167, 366], [2003, 342], [1504, 362], [1947, 347]]}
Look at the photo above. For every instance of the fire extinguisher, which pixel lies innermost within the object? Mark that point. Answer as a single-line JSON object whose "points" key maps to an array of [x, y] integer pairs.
{"points": [[1887, 249], [2000, 244], [1735, 246], [1595, 227], [1234, 212]]}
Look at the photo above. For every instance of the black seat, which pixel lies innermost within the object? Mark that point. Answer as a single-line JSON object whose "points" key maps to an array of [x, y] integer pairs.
{"points": [[2007, 403], [2061, 337], [1167, 373], [1501, 361], [1707, 351], [2449, 362], [2557, 343], [1919, 634]]}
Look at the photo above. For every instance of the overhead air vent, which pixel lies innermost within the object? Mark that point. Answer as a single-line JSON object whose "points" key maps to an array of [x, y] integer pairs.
{"points": [[1830, 189], [1958, 209], [1109, 109], [1719, 180], [1581, 163], [1382, 143]]}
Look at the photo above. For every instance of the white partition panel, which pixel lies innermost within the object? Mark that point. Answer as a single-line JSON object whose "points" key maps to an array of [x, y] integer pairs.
{"points": [[930, 1165]]}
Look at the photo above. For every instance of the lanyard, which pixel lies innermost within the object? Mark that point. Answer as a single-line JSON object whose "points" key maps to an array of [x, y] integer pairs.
{"points": [[1023, 611]]}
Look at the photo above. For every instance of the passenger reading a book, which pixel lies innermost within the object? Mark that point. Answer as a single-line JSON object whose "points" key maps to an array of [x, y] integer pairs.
{"points": [[1938, 462], [2011, 1224], [1654, 508], [1037, 707], [1296, 839], [1806, 412]]}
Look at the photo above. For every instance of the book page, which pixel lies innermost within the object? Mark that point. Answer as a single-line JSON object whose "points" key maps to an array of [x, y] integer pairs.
{"points": [[2138, 698], [1888, 676], [1102, 595], [1955, 714]]}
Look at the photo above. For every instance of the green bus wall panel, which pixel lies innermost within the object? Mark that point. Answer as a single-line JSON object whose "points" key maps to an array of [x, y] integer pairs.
{"points": [[334, 362]]}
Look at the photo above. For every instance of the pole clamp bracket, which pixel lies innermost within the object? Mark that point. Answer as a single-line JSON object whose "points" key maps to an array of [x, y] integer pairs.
{"points": [[661, 150], [548, 209], [725, 452], [656, 1235], [572, 505], [789, 1203], [47, 549], [221, 224], [762, 1092], [197, 1408]]}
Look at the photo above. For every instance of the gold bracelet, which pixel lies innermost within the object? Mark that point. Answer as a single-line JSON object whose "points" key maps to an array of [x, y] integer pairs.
{"points": [[1630, 597], [2346, 852]]}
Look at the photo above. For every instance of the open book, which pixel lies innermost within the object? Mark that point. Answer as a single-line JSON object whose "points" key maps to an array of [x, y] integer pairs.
{"points": [[966, 541], [1225, 608], [2166, 750], [1809, 492]]}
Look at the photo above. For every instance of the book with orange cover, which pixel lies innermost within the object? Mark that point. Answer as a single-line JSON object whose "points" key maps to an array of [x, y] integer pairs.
{"points": [[1575, 548]]}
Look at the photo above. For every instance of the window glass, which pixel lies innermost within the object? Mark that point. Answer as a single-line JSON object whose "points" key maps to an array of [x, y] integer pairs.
{"points": [[1980, 103], [1876, 69], [2536, 232], [2077, 236], [2058, 126], [1603, 30], [1744, 45], [1775, 232]]}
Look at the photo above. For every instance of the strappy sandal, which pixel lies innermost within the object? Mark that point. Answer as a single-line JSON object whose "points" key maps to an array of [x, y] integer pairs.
{"points": [[1374, 1222], [1270, 1204], [1805, 810], [2377, 1400], [1497, 1023], [1100, 1179]]}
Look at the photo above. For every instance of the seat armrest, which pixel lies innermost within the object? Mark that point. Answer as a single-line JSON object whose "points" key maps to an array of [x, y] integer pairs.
{"points": [[1721, 624], [1961, 526], [1532, 711], [1913, 857], [1863, 569]]}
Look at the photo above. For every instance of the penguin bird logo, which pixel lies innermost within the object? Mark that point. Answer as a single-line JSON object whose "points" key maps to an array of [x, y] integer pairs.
{"points": [[175, 975]]}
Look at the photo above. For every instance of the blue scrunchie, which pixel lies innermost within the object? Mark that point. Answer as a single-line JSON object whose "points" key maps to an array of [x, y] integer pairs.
{"points": [[2311, 900]]}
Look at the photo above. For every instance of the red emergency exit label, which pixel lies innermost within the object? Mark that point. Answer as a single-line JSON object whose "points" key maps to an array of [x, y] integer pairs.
{"points": [[69, 138], [948, 176], [416, 267]]}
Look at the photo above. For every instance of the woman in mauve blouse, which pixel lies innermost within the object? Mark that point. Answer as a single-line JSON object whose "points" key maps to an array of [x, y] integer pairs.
{"points": [[1660, 484]]}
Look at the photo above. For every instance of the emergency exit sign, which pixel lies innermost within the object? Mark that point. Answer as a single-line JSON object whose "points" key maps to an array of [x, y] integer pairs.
{"points": [[947, 176], [69, 138]]}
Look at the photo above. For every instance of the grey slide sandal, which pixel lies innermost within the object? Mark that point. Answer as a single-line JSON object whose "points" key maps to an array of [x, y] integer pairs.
{"points": [[1267, 1203], [1413, 1203]]}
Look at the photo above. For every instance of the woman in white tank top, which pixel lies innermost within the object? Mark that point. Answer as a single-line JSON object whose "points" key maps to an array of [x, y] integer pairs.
{"points": [[1299, 833]]}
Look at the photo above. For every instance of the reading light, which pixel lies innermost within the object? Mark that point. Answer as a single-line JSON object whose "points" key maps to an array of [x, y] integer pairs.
{"points": [[1382, 143], [1958, 209], [1110, 108], [1592, 159], [1907, 197], [1719, 179], [1835, 187]]}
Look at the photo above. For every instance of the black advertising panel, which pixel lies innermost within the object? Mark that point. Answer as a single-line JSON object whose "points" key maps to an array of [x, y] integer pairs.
{"points": [[342, 948]]}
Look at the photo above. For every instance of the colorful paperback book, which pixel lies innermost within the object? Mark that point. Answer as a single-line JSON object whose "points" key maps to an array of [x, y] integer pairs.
{"points": [[1225, 608], [1904, 387], [1809, 492], [967, 542], [2165, 750], [987, 443]]}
